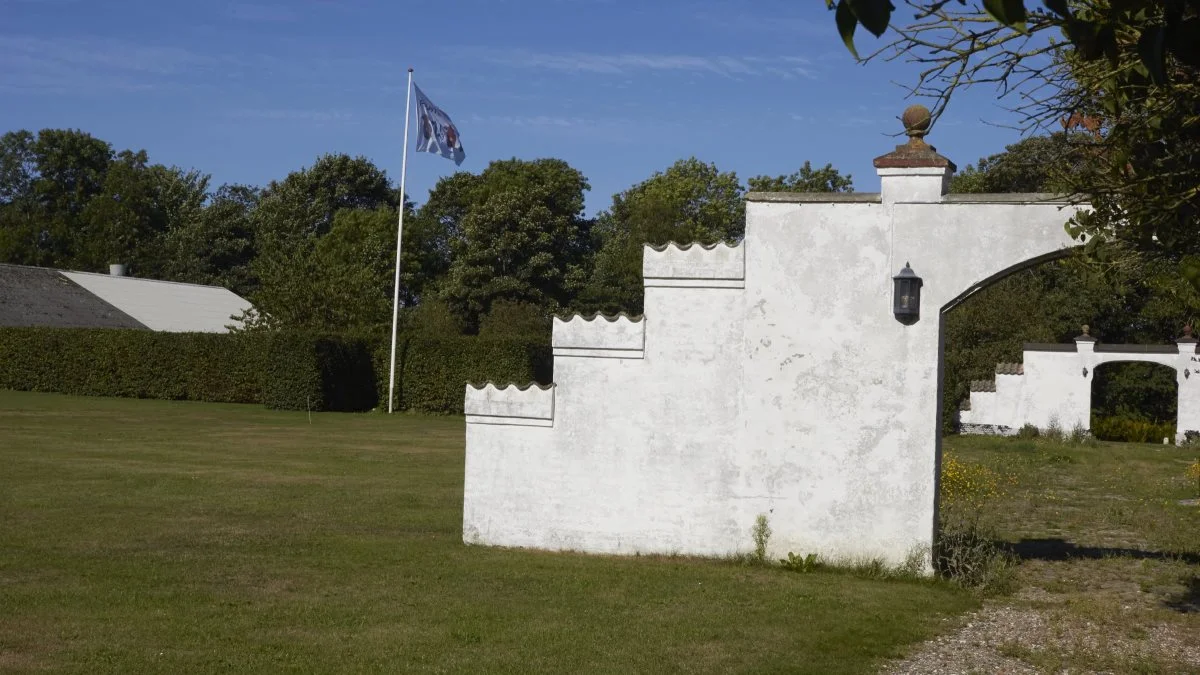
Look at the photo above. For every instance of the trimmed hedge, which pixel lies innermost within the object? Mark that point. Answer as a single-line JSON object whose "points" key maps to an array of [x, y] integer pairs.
{"points": [[318, 372], [133, 363], [289, 370], [433, 373]]}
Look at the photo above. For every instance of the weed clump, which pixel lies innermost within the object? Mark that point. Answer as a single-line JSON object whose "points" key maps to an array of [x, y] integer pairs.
{"points": [[762, 535], [967, 553], [966, 487]]}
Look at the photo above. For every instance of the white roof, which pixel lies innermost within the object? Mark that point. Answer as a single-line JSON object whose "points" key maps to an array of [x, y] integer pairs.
{"points": [[166, 305]]}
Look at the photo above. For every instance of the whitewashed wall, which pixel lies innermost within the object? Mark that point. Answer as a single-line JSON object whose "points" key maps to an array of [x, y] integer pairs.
{"points": [[773, 380], [1056, 387]]}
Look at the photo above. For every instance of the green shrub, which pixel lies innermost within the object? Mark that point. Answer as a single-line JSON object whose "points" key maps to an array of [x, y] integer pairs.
{"points": [[133, 363], [796, 563], [1028, 431], [1126, 430], [1054, 431], [431, 318], [284, 370], [761, 535], [319, 372], [516, 320], [968, 555], [432, 373], [1079, 436]]}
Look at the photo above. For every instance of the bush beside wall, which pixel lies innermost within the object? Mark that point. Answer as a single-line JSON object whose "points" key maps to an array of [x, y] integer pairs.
{"points": [[435, 371], [290, 371], [1125, 430]]}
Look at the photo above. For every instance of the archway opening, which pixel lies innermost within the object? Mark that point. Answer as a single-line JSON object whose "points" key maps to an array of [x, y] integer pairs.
{"points": [[1058, 506], [1134, 402]]}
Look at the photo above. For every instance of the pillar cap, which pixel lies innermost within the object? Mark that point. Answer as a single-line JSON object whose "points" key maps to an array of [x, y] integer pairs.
{"points": [[916, 153]]}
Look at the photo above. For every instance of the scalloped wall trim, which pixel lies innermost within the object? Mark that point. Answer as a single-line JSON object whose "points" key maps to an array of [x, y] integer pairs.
{"points": [[618, 333], [506, 385], [533, 401], [685, 247], [694, 263], [567, 318]]}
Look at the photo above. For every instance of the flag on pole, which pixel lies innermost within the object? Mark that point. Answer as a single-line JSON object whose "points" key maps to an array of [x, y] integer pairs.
{"points": [[435, 132]]}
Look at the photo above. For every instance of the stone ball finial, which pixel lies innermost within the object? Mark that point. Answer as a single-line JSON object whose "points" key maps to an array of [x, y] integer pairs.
{"points": [[916, 120], [1086, 328], [1187, 331]]}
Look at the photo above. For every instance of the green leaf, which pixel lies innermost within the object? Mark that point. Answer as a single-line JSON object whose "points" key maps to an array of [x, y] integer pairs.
{"points": [[1189, 268], [1107, 39], [1150, 49], [1083, 35], [1014, 11], [997, 8], [874, 15], [1059, 7], [846, 23]]}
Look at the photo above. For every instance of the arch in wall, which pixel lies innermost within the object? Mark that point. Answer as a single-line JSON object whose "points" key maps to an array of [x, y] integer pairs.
{"points": [[1152, 387], [1033, 261], [1052, 386]]}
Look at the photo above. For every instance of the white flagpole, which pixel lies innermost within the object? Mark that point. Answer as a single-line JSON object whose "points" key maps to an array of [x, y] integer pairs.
{"points": [[399, 240]]}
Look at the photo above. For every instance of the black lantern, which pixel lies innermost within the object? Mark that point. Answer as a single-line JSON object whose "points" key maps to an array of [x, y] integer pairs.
{"points": [[906, 301]]}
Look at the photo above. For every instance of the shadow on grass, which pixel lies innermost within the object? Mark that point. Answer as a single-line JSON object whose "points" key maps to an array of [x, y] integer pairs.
{"points": [[1061, 549], [1187, 602]]}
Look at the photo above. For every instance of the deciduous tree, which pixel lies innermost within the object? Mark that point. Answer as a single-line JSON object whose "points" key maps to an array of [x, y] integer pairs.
{"points": [[1127, 71]]}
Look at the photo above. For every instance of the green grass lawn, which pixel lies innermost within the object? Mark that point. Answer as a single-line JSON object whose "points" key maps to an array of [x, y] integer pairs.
{"points": [[167, 536], [1110, 498], [1110, 556]]}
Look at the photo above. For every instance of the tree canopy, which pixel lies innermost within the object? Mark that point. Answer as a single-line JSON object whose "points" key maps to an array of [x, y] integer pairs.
{"points": [[495, 252], [1126, 72]]}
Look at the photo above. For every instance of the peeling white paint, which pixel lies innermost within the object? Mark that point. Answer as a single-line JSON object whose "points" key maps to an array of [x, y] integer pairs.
{"points": [[774, 380]]}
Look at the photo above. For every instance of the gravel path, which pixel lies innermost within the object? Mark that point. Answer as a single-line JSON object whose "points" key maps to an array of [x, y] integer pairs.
{"points": [[1038, 632]]}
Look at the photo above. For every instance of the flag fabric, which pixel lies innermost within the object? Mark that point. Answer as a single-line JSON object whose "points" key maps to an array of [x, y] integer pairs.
{"points": [[435, 132]]}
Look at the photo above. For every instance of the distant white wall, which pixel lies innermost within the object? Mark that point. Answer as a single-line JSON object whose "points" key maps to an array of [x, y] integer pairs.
{"points": [[1056, 387], [774, 379]]}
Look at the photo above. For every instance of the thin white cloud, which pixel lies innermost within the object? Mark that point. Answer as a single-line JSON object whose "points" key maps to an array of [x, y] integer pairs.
{"points": [[101, 54], [52, 65], [628, 63]]}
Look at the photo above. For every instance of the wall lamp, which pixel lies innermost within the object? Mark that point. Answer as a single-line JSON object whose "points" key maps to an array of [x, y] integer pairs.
{"points": [[906, 298]]}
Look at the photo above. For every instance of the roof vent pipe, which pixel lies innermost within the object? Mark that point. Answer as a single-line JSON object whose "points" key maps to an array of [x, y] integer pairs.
{"points": [[117, 270]]}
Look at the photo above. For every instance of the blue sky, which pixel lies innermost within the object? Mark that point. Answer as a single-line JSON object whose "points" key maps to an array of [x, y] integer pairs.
{"points": [[618, 88]]}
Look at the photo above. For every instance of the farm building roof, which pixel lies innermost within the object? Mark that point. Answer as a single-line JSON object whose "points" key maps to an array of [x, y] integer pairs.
{"points": [[38, 296]]}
